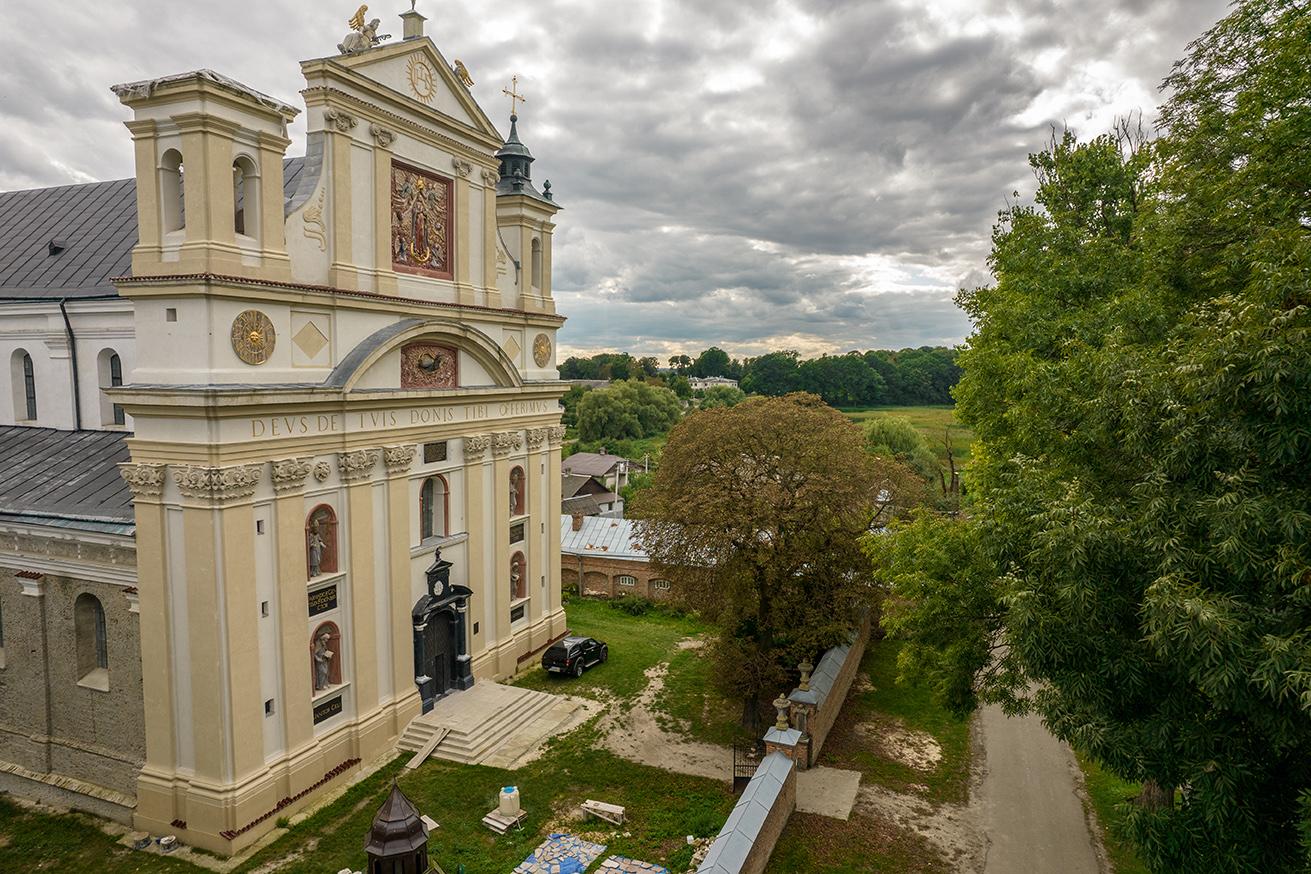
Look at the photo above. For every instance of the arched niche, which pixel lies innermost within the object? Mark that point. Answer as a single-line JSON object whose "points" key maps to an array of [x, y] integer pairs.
{"points": [[518, 492], [434, 507], [518, 577], [320, 542], [325, 657]]}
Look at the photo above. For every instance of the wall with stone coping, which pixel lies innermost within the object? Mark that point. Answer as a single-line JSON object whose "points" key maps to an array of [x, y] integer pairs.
{"points": [[814, 712], [748, 837]]}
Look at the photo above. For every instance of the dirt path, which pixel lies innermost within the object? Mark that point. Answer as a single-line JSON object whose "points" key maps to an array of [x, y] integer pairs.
{"points": [[631, 730]]}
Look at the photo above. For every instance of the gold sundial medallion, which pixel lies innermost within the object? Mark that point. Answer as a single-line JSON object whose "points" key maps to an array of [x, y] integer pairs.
{"points": [[423, 82], [253, 337], [542, 350]]}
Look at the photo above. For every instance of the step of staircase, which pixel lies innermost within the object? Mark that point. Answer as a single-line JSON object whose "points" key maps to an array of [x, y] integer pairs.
{"points": [[478, 725], [535, 733]]}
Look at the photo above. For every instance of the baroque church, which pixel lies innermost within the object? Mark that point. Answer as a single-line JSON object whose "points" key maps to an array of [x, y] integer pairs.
{"points": [[280, 443]]}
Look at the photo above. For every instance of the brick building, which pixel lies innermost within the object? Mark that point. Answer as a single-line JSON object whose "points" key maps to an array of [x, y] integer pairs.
{"points": [[600, 557]]}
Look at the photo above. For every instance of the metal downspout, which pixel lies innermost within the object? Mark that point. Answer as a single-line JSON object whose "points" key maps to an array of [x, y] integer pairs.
{"points": [[72, 357]]}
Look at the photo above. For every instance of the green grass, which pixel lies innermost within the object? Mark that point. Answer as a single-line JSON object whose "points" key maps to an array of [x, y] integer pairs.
{"points": [[1107, 793], [690, 704], [31, 841], [932, 422], [814, 845]]}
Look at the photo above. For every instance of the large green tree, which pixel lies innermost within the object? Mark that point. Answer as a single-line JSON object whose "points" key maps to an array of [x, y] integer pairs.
{"points": [[755, 515], [1139, 384], [629, 410]]}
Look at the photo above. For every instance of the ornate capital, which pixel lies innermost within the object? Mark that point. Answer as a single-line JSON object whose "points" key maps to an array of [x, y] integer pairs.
{"points": [[357, 465], [289, 473], [536, 437], [218, 484], [555, 434], [461, 166], [342, 121], [475, 447], [491, 177], [383, 137], [505, 442], [398, 458], [145, 480]]}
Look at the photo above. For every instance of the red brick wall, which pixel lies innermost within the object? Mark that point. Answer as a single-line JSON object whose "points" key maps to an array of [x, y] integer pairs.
{"points": [[601, 574]]}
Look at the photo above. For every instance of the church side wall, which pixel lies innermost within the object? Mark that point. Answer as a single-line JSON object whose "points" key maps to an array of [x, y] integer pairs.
{"points": [[60, 727]]}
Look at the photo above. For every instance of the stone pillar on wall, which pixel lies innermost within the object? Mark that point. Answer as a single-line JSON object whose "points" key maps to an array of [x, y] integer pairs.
{"points": [[504, 444], [490, 234], [782, 737], [382, 259], [357, 470], [338, 125], [463, 229], [400, 510]]}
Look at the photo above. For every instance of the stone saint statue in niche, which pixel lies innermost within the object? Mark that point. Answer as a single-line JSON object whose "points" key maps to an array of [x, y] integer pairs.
{"points": [[322, 661], [316, 545], [515, 574]]}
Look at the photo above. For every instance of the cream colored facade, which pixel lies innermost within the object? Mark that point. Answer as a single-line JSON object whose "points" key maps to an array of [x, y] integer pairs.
{"points": [[231, 459]]}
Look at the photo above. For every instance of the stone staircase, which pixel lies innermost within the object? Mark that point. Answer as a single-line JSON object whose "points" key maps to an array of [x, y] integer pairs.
{"points": [[490, 724]]}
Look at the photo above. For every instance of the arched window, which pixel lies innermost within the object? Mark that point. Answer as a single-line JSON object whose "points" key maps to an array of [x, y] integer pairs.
{"points": [[325, 656], [626, 580], [518, 503], [518, 577], [321, 541], [173, 214], [245, 197], [537, 262], [92, 637], [434, 501], [660, 585], [24, 386], [110, 367]]}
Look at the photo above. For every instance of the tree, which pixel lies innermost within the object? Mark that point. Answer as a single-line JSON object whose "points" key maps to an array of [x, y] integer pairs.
{"points": [[626, 411], [721, 396], [895, 437], [773, 374], [755, 515], [842, 380], [1139, 385], [680, 386], [680, 364], [570, 403], [712, 362], [650, 365]]}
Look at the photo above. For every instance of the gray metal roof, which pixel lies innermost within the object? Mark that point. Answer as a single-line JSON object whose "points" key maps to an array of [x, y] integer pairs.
{"points": [[591, 463], [611, 538], [729, 853], [71, 240], [64, 478]]}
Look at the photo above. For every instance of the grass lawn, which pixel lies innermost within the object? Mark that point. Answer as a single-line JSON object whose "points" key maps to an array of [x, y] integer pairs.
{"points": [[931, 422], [815, 845], [1107, 792]]}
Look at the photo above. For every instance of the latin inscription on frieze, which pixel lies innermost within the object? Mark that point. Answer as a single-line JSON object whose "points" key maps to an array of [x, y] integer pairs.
{"points": [[266, 427]]}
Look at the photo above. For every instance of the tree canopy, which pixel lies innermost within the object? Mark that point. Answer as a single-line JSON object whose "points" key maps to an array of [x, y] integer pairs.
{"points": [[1139, 384], [746, 517], [628, 410]]}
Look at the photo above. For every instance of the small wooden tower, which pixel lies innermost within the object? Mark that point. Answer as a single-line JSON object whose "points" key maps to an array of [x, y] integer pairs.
{"points": [[398, 839]]}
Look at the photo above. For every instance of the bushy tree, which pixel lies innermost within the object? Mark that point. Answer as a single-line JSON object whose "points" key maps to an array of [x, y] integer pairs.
{"points": [[1139, 384], [895, 437], [774, 374], [626, 410], [570, 403], [712, 362], [721, 396], [755, 515], [842, 380]]}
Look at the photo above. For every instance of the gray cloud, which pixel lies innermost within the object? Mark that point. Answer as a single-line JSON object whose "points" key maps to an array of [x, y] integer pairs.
{"points": [[814, 174]]}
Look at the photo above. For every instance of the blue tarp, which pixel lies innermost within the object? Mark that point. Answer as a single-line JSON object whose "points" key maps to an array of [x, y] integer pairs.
{"points": [[570, 853]]}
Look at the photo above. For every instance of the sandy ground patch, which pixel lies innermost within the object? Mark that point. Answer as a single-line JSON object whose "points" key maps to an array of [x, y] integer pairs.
{"points": [[954, 829], [915, 749], [691, 643], [632, 731]]}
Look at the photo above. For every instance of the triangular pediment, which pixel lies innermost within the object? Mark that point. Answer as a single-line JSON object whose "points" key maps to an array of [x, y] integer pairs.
{"points": [[416, 71]]}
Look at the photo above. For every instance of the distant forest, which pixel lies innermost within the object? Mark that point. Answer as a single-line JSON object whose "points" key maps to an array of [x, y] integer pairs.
{"points": [[879, 377]]}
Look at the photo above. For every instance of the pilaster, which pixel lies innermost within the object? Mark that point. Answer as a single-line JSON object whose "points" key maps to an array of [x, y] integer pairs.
{"points": [[382, 140], [463, 221], [490, 178], [399, 460], [342, 272], [357, 470], [475, 507], [289, 476]]}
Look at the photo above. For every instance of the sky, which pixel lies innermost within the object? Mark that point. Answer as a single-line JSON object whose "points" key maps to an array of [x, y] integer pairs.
{"points": [[802, 174]]}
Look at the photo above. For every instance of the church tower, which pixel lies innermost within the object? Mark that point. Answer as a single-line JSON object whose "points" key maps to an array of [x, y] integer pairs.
{"points": [[346, 379]]}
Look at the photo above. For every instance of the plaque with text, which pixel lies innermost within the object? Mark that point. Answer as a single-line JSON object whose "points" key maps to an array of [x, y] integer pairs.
{"points": [[327, 709], [323, 600]]}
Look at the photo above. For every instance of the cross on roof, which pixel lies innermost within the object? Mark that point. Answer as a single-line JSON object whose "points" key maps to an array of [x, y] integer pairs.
{"points": [[513, 93]]}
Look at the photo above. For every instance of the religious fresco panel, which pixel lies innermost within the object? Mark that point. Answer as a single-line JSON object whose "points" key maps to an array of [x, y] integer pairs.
{"points": [[429, 365], [422, 222]]}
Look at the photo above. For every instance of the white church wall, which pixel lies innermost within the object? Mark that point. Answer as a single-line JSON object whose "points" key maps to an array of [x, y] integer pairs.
{"points": [[265, 613]]}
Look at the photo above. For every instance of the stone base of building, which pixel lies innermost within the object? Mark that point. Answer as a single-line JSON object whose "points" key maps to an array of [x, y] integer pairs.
{"points": [[59, 790]]}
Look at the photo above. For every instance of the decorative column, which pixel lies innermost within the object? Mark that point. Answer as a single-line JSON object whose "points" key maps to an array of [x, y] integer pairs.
{"points": [[382, 258], [475, 509], [400, 511], [504, 443], [289, 476], [356, 469], [491, 276], [535, 537], [338, 125], [463, 227], [555, 438]]}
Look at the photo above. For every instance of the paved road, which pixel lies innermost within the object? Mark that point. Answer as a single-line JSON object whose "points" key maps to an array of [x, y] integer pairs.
{"points": [[1032, 817]]}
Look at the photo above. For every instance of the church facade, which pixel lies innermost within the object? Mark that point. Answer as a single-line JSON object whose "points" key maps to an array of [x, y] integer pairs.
{"points": [[330, 398]]}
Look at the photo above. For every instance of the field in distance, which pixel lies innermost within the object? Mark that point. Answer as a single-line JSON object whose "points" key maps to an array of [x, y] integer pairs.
{"points": [[932, 422]]}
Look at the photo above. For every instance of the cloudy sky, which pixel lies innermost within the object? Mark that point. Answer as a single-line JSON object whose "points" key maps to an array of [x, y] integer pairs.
{"points": [[808, 174]]}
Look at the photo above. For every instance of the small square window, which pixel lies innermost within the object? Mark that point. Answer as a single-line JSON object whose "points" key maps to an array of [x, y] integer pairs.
{"points": [[268, 707], [264, 609], [434, 452], [475, 628], [171, 314], [259, 526]]}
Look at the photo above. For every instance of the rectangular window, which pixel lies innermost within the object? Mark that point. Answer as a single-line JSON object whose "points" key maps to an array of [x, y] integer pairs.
{"points": [[516, 532], [29, 387], [2, 625], [268, 707], [662, 585], [626, 580], [170, 314], [433, 452], [102, 641]]}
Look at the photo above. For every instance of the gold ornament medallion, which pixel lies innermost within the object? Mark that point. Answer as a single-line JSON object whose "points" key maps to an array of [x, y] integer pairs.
{"points": [[542, 350], [253, 337]]}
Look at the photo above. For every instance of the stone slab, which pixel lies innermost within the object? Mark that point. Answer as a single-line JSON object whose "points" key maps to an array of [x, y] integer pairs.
{"points": [[828, 792]]}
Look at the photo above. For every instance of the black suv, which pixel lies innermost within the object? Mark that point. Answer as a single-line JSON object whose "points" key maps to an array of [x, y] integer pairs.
{"points": [[573, 655]]}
